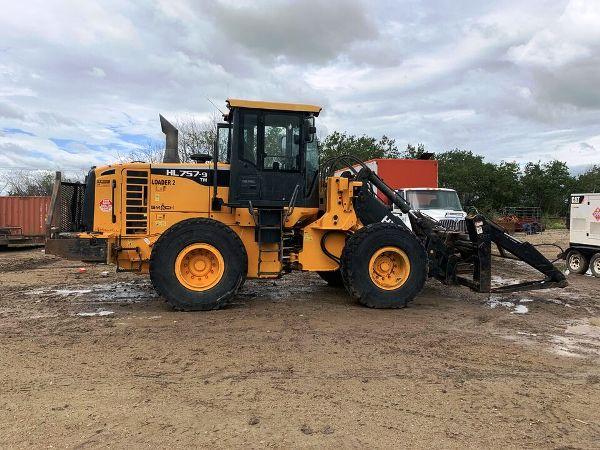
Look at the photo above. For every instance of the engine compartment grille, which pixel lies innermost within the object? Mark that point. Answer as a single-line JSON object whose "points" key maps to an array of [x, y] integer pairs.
{"points": [[136, 202]]}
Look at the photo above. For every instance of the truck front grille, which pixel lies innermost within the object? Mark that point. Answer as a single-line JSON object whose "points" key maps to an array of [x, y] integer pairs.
{"points": [[454, 225], [136, 202]]}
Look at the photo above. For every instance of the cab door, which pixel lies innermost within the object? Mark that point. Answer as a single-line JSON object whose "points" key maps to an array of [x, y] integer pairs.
{"points": [[280, 161], [245, 179], [267, 163]]}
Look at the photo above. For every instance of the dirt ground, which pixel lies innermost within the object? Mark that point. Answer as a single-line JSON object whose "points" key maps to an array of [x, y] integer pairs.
{"points": [[96, 359]]}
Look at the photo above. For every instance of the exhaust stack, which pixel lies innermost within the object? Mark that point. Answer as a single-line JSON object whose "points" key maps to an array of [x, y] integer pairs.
{"points": [[171, 141]]}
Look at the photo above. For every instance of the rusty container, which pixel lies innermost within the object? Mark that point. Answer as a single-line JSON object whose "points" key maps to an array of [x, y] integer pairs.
{"points": [[24, 215]]}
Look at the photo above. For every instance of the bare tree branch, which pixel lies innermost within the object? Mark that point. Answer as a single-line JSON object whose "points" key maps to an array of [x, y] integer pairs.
{"points": [[26, 183], [151, 152], [196, 136]]}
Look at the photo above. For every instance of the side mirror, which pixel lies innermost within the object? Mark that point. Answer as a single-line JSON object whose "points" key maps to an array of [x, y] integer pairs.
{"points": [[310, 130]]}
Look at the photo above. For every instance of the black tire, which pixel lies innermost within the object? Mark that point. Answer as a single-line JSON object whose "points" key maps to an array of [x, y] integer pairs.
{"points": [[356, 256], [595, 265], [332, 277], [577, 262], [188, 232]]}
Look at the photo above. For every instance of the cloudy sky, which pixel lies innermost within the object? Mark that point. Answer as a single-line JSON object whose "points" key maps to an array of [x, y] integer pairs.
{"points": [[82, 82]]}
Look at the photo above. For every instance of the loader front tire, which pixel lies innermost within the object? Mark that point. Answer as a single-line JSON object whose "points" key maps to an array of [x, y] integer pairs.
{"points": [[198, 265], [384, 266]]}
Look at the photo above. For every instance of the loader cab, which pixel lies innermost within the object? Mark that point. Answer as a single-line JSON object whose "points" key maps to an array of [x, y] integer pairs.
{"points": [[273, 154]]}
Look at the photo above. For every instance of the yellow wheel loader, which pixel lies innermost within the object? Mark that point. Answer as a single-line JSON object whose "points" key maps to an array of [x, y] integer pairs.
{"points": [[261, 204]]}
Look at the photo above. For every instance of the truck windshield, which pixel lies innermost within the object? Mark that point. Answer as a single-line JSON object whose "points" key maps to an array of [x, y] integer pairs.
{"points": [[432, 199]]}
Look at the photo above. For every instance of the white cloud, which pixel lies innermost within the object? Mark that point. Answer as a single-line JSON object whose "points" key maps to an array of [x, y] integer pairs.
{"points": [[97, 72], [572, 36], [508, 79]]}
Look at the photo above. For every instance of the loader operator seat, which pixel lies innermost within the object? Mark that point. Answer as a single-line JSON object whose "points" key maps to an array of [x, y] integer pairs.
{"points": [[273, 154]]}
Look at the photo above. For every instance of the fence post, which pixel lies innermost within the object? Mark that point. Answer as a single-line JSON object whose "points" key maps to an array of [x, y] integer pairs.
{"points": [[53, 203]]}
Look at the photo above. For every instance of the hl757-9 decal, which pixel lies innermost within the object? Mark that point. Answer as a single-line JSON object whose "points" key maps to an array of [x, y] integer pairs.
{"points": [[200, 176]]}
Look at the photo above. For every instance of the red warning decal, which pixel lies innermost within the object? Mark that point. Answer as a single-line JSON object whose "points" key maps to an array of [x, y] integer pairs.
{"points": [[105, 205], [596, 214]]}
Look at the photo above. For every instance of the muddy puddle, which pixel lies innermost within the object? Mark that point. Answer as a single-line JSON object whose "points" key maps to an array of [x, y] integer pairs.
{"points": [[110, 292]]}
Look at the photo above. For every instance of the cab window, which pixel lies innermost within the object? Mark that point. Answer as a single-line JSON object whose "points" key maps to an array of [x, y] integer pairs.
{"points": [[249, 131], [281, 142], [223, 142], [312, 163]]}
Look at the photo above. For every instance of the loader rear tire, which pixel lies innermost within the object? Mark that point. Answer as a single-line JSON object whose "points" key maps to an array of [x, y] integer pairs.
{"points": [[332, 277], [384, 266], [198, 265]]}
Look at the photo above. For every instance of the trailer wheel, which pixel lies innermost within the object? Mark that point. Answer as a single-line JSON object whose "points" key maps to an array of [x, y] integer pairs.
{"points": [[384, 266], [198, 265], [595, 265], [332, 277], [577, 262]]}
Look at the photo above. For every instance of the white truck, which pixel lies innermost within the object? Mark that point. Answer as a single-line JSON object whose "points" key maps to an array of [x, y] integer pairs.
{"points": [[584, 238], [440, 204]]}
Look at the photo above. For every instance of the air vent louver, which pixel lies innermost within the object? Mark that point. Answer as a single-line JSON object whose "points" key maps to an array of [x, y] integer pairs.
{"points": [[136, 202]]}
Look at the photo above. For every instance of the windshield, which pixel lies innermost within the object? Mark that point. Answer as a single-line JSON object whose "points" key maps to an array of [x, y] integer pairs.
{"points": [[431, 199]]}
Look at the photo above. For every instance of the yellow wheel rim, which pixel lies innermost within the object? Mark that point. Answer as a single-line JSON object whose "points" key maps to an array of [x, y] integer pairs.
{"points": [[389, 268], [199, 267]]}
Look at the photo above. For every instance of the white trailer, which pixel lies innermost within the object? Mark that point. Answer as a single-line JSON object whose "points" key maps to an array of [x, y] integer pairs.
{"points": [[584, 238]]}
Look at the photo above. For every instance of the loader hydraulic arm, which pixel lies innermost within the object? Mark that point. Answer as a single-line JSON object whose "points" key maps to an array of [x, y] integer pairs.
{"points": [[366, 174], [528, 254], [451, 254]]}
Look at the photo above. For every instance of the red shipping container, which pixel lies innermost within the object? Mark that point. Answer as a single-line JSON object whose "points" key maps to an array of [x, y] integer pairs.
{"points": [[406, 173], [29, 213]]}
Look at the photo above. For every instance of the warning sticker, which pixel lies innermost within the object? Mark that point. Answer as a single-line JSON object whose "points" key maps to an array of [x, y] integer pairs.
{"points": [[596, 214], [105, 205]]}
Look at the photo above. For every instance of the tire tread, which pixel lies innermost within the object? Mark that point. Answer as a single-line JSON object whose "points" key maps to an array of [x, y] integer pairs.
{"points": [[163, 242], [348, 270]]}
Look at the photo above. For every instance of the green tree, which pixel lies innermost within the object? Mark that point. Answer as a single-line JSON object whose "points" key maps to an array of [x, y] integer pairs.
{"points": [[505, 185], [363, 147], [588, 181], [547, 186], [413, 152], [469, 175]]}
